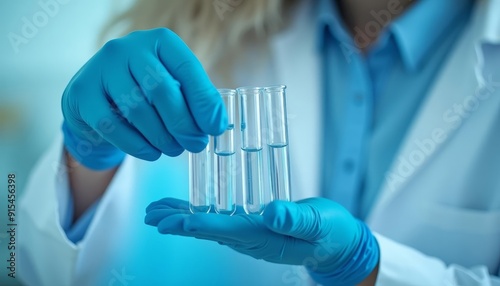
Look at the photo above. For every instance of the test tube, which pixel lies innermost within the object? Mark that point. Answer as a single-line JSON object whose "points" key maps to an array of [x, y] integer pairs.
{"points": [[277, 141], [200, 181], [251, 149], [224, 162]]}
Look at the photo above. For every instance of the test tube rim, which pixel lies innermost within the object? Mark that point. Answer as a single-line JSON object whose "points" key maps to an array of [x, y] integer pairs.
{"points": [[248, 89], [226, 91], [274, 88]]}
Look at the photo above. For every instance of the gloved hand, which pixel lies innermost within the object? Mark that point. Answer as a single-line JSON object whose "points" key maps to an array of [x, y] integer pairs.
{"points": [[143, 94], [336, 248]]}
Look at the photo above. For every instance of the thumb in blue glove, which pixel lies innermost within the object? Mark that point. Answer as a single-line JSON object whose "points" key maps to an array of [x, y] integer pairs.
{"points": [[336, 248]]}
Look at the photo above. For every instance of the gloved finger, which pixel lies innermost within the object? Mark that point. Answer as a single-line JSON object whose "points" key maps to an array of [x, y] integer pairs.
{"points": [[134, 107], [175, 224], [241, 228], [203, 99], [164, 93], [153, 217], [172, 224], [101, 117], [168, 203], [157, 207], [302, 221], [220, 240], [164, 207]]}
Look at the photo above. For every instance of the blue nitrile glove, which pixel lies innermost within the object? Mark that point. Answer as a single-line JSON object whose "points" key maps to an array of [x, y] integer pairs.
{"points": [[336, 248], [143, 94]]}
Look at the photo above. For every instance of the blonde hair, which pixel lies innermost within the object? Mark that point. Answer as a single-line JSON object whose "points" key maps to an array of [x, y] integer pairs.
{"points": [[213, 29]]}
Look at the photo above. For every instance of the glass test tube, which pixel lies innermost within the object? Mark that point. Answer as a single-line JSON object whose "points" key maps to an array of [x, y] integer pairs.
{"points": [[200, 181], [277, 141], [224, 161], [251, 150]]}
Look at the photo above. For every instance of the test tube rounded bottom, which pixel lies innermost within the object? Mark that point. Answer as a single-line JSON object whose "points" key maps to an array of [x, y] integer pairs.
{"points": [[280, 174], [253, 196], [199, 209], [225, 183], [200, 187]]}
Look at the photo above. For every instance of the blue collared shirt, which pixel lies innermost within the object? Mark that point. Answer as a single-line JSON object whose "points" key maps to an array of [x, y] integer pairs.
{"points": [[371, 99]]}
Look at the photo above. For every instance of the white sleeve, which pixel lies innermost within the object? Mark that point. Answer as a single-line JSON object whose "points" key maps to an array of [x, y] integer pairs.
{"points": [[404, 266], [46, 255]]}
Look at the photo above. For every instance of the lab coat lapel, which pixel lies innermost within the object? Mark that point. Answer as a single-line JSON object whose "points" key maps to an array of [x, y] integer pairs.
{"points": [[434, 126], [296, 64]]}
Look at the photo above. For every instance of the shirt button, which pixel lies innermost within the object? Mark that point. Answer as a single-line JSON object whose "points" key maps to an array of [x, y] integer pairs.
{"points": [[359, 98], [348, 166]]}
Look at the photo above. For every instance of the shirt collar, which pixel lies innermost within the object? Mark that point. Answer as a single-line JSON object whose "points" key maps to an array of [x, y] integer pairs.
{"points": [[422, 26], [416, 31], [329, 21]]}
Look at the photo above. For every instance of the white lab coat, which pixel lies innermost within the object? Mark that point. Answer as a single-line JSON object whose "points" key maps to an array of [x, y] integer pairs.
{"points": [[437, 218]]}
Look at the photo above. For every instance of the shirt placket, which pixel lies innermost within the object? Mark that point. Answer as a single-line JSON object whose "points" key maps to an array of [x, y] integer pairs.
{"points": [[349, 167]]}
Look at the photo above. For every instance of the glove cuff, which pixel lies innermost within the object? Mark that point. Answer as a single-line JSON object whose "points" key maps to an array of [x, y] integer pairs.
{"points": [[364, 259], [95, 154]]}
